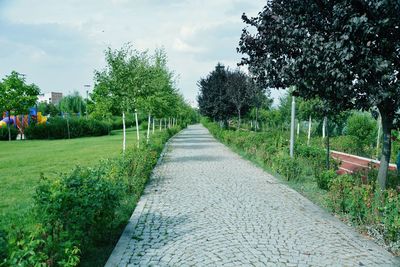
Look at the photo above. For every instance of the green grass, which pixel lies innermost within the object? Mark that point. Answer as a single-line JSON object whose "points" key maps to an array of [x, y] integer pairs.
{"points": [[21, 163]]}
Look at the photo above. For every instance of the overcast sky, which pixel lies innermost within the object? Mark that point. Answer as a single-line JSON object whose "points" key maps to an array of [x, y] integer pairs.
{"points": [[58, 44]]}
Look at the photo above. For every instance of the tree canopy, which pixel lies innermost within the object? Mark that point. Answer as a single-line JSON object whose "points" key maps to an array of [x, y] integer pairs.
{"points": [[224, 93], [345, 52]]}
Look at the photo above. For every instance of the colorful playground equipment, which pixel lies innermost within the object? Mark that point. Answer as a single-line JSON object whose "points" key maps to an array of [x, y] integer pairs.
{"points": [[23, 121]]}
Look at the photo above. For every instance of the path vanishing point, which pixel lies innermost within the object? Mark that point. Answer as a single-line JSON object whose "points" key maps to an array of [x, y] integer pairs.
{"points": [[206, 206]]}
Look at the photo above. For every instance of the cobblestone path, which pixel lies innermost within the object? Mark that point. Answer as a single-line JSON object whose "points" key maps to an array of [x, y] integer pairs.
{"points": [[206, 206]]}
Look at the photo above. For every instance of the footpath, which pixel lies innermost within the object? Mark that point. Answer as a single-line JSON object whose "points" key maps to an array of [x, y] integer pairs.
{"points": [[206, 206]]}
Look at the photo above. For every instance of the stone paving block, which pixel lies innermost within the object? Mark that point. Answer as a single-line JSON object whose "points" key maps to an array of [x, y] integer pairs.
{"points": [[206, 206]]}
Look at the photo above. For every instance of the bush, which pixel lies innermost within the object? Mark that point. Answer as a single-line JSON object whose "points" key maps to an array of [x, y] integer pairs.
{"points": [[288, 167], [4, 133], [57, 128], [116, 122], [362, 127], [325, 178], [82, 209], [340, 189]]}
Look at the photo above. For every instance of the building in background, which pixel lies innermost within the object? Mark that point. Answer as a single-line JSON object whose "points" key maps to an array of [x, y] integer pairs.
{"points": [[52, 97]]}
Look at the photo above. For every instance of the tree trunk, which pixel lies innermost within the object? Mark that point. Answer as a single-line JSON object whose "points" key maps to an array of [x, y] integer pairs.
{"points": [[309, 131], [239, 119], [69, 133], [378, 139], [386, 150], [137, 130], [328, 165], [123, 132], [154, 122], [298, 129], [148, 129], [9, 125], [256, 119], [160, 124], [292, 122]]}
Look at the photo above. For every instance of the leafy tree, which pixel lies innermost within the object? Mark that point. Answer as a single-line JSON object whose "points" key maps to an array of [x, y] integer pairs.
{"points": [[258, 99], [213, 99], [238, 85], [48, 109], [362, 127], [16, 95], [345, 52], [73, 104]]}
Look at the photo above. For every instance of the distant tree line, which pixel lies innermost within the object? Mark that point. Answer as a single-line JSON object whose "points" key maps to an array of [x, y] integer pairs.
{"points": [[225, 94]]}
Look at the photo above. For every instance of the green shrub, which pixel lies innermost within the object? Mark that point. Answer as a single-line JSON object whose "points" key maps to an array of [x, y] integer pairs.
{"points": [[325, 178], [340, 189], [57, 128], [4, 133], [116, 121], [309, 152], [390, 215], [288, 167], [82, 209]]}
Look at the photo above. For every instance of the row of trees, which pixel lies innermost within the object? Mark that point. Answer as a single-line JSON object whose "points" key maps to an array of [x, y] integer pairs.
{"points": [[345, 52], [226, 92], [134, 81]]}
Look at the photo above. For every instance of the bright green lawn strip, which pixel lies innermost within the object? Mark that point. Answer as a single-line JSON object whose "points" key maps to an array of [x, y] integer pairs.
{"points": [[21, 163]]}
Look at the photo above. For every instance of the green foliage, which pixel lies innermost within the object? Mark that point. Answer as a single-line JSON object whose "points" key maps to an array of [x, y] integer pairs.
{"points": [[325, 178], [82, 209], [4, 133], [288, 167], [225, 93], [16, 95], [364, 204], [48, 109], [362, 127], [57, 128], [340, 191], [73, 104]]}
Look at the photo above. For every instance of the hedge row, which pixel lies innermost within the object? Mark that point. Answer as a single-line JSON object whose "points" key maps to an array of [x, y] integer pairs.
{"points": [[83, 209], [4, 133], [60, 128]]}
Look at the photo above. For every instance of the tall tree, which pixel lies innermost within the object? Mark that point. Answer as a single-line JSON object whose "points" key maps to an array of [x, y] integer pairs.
{"points": [[345, 52], [238, 86], [213, 98]]}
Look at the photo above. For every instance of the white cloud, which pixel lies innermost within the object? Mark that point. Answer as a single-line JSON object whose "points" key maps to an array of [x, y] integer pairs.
{"points": [[59, 44]]}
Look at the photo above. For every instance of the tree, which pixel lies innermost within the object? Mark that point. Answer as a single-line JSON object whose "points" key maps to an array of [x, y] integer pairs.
{"points": [[73, 104], [48, 109], [119, 85], [344, 52], [213, 98], [362, 127], [258, 99], [17, 96], [238, 85]]}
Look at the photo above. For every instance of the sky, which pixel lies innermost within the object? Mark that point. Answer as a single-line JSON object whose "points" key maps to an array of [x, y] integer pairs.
{"points": [[59, 44]]}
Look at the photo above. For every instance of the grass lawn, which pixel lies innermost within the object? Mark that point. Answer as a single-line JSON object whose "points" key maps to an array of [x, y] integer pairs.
{"points": [[21, 163]]}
